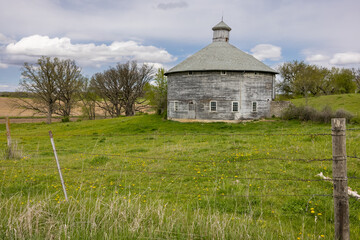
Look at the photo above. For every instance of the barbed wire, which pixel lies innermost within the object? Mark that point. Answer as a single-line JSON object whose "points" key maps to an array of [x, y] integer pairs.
{"points": [[355, 157], [175, 134], [223, 176], [353, 129], [240, 159]]}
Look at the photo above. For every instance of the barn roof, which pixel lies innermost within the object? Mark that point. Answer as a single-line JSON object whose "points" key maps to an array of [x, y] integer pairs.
{"points": [[220, 55]]}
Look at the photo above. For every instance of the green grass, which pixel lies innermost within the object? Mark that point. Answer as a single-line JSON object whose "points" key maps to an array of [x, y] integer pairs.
{"points": [[349, 102], [143, 177]]}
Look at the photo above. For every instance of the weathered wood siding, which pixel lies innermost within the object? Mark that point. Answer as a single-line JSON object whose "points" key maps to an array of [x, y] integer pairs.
{"points": [[193, 94]]}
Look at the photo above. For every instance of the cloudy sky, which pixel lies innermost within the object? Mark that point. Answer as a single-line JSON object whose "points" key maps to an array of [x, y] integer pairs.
{"points": [[100, 33]]}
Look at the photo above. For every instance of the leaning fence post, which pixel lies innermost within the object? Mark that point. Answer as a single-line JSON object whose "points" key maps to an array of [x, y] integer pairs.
{"points": [[58, 164], [8, 136], [341, 202]]}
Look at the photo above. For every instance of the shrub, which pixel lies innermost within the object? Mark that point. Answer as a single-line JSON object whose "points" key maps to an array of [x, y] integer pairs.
{"points": [[306, 113], [341, 113], [65, 119]]}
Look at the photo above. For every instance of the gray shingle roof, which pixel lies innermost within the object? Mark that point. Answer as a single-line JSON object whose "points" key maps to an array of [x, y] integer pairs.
{"points": [[221, 56]]}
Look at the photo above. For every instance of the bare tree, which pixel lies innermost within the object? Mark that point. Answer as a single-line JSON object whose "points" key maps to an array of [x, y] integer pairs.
{"points": [[38, 80], [68, 80], [88, 98], [52, 84], [121, 87], [133, 79], [107, 86]]}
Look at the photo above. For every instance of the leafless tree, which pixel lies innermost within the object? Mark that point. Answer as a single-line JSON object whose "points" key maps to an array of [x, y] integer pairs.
{"points": [[38, 80], [88, 98], [68, 80], [121, 87], [108, 87], [52, 84]]}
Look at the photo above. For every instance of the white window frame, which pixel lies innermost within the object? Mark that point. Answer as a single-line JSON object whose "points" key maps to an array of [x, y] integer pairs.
{"points": [[232, 106], [252, 106], [176, 106], [215, 106], [223, 72]]}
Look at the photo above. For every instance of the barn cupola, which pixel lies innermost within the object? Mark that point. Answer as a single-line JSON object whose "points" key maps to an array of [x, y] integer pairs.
{"points": [[221, 32]]}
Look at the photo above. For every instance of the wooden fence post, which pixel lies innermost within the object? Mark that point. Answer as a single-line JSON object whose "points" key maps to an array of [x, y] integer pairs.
{"points": [[8, 136], [341, 199], [58, 164]]}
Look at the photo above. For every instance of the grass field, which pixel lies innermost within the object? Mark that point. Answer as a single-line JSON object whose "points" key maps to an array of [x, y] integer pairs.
{"points": [[349, 102], [146, 178]]}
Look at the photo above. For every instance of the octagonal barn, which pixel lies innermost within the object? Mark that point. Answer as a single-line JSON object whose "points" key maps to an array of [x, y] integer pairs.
{"points": [[220, 82]]}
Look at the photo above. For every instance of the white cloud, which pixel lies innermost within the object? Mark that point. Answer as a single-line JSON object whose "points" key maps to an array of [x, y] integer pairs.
{"points": [[266, 51], [317, 58], [345, 58], [90, 54], [171, 5]]}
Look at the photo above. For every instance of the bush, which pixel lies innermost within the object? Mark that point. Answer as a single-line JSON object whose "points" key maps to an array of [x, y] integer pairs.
{"points": [[65, 119], [306, 113]]}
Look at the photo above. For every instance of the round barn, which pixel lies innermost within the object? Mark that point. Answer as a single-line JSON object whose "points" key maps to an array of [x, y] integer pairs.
{"points": [[220, 82]]}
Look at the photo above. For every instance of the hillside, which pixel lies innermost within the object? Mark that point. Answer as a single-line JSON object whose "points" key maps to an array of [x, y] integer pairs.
{"points": [[143, 177], [349, 102]]}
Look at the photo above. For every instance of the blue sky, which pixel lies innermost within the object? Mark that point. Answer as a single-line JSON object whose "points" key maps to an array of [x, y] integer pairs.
{"points": [[98, 34]]}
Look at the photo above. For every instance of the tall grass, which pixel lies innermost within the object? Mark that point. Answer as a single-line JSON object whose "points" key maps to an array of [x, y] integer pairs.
{"points": [[122, 218]]}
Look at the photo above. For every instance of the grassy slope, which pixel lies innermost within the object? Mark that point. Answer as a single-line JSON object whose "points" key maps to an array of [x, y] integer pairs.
{"points": [[163, 179], [349, 102]]}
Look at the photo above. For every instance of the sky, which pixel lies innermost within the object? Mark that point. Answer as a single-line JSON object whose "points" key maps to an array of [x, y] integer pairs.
{"points": [[98, 34]]}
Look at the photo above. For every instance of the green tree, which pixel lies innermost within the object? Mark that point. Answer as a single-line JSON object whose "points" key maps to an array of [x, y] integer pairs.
{"points": [[344, 80], [289, 73], [156, 93], [356, 73]]}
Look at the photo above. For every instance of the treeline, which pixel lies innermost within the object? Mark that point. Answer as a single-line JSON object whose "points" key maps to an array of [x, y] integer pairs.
{"points": [[301, 79], [57, 86]]}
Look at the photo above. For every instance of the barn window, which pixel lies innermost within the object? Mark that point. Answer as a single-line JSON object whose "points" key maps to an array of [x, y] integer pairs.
{"points": [[190, 73], [176, 106], [213, 106], [254, 106], [223, 72], [235, 106], [191, 106]]}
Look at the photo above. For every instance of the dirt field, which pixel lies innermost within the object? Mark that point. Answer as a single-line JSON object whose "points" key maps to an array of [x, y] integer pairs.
{"points": [[8, 109]]}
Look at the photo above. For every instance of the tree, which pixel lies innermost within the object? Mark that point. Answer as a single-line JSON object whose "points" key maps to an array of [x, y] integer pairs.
{"points": [[107, 86], [52, 84], [133, 79], [121, 87], [38, 80], [343, 80], [356, 73], [88, 98], [157, 93], [288, 72], [68, 80]]}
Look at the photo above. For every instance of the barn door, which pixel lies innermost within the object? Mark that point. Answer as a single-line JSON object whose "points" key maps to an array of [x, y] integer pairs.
{"points": [[191, 110]]}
